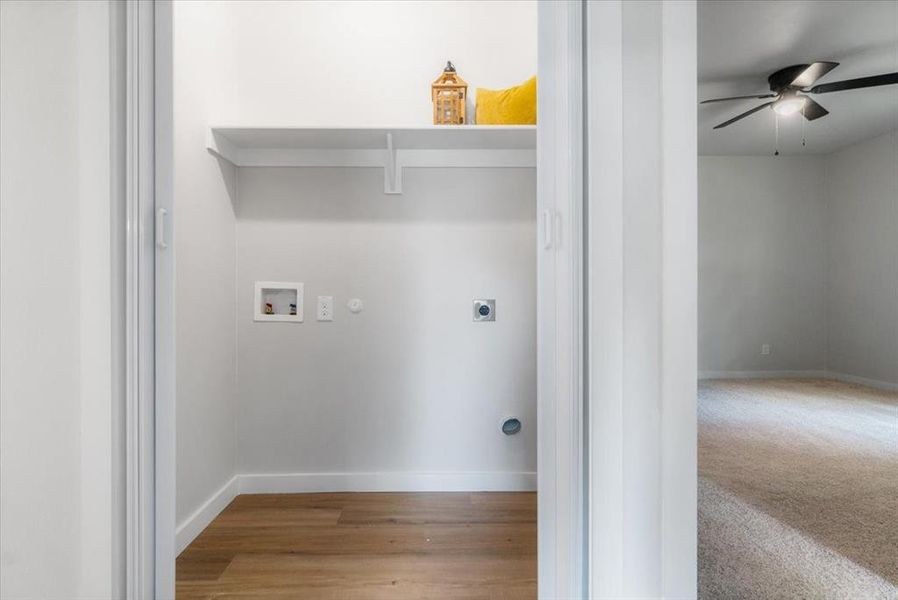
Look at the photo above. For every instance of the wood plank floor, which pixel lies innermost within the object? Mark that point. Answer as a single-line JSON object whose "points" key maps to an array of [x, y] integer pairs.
{"points": [[352, 546]]}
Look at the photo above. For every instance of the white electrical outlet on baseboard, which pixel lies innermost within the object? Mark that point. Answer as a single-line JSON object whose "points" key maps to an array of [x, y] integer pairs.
{"points": [[325, 308], [765, 349]]}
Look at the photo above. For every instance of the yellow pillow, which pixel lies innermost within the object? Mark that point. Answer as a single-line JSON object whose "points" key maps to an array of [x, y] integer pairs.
{"points": [[514, 106]]}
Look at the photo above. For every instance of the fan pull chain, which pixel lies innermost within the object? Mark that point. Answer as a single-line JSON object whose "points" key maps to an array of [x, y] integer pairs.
{"points": [[803, 119], [776, 138]]}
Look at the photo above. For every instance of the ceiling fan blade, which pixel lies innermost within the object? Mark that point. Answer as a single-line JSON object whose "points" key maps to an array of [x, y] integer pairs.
{"points": [[853, 84], [812, 110], [762, 96], [814, 72], [743, 115]]}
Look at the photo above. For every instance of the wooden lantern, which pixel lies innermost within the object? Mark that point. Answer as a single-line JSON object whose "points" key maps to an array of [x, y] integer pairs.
{"points": [[449, 94]]}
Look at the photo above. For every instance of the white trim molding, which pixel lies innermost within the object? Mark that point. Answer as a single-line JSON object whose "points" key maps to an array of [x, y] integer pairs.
{"points": [[164, 414], [874, 383], [192, 526], [800, 374], [785, 374], [395, 481], [139, 297]]}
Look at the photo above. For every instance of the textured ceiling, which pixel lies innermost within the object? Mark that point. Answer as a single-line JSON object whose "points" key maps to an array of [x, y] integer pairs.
{"points": [[741, 42]]}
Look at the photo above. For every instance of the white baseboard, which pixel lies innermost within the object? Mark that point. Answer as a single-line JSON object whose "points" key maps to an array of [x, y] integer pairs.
{"points": [[800, 374], [193, 525], [874, 383], [451, 481], [297, 483], [808, 374]]}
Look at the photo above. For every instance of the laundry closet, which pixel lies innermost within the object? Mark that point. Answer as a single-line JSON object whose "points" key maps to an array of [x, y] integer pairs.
{"points": [[355, 286]]}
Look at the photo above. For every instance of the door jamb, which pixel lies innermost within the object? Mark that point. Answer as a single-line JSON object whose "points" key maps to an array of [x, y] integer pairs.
{"points": [[149, 402], [139, 298], [163, 224]]}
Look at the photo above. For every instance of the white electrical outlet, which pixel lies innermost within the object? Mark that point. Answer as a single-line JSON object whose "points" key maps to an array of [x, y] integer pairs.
{"points": [[325, 308], [765, 349]]}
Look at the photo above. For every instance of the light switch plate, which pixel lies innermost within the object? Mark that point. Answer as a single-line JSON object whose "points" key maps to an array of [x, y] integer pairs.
{"points": [[325, 308], [485, 309]]}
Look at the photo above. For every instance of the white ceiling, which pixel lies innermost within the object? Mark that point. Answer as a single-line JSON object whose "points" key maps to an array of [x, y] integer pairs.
{"points": [[740, 43]]}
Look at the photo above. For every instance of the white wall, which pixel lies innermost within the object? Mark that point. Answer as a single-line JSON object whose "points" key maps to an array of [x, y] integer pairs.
{"points": [[56, 395], [862, 260], [410, 384], [205, 258], [762, 263], [371, 63]]}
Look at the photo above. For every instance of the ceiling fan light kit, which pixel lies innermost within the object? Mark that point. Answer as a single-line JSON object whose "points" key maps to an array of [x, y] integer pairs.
{"points": [[790, 88], [789, 104]]}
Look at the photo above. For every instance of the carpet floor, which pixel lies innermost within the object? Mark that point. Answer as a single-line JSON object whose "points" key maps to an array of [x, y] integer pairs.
{"points": [[798, 490]]}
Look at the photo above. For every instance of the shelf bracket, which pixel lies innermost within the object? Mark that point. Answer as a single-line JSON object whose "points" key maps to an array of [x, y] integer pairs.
{"points": [[392, 170]]}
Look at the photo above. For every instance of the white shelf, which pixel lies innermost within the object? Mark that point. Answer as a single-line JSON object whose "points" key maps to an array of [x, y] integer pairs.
{"points": [[392, 149]]}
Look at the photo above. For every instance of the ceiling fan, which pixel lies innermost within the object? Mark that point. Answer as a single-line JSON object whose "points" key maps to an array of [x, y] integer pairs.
{"points": [[790, 87]]}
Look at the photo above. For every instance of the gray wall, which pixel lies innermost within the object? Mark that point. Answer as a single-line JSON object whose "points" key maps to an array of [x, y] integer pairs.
{"points": [[862, 282], [800, 253], [410, 383], [762, 263], [205, 262]]}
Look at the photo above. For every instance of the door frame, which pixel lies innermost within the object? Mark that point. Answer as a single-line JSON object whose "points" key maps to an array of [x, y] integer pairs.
{"points": [[149, 435], [151, 447], [164, 339], [134, 38]]}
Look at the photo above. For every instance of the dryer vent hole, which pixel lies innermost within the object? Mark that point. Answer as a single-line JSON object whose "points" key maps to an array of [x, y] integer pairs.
{"points": [[511, 426]]}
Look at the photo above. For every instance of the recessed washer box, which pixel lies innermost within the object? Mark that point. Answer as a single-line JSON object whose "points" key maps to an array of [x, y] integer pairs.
{"points": [[278, 301]]}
